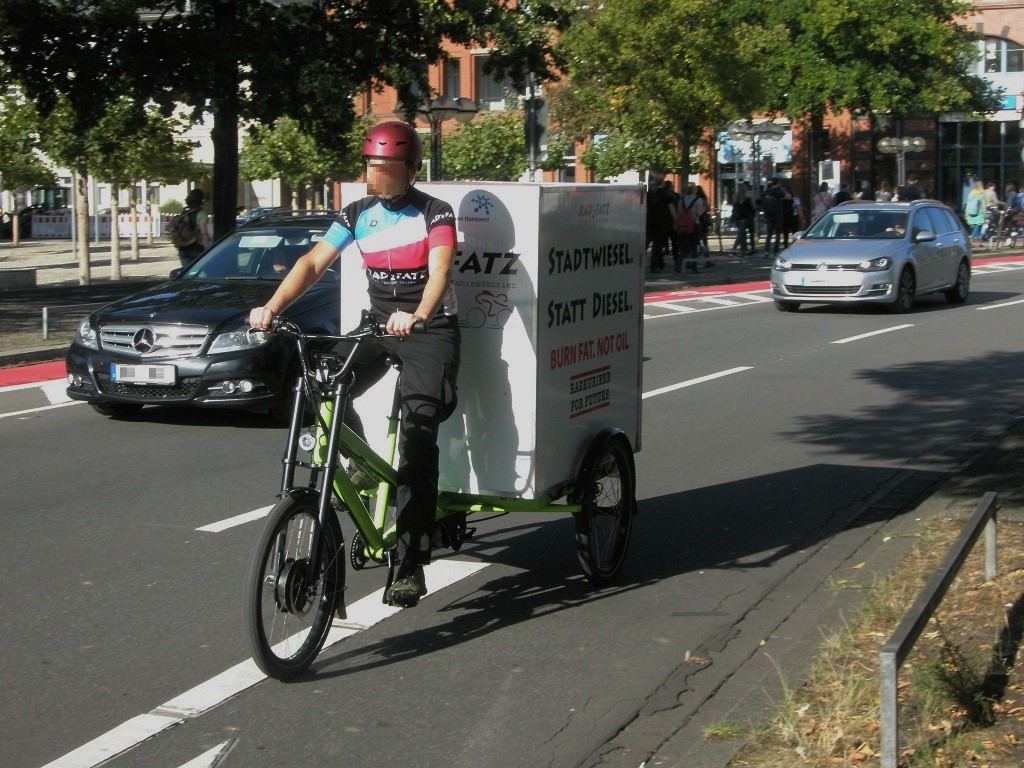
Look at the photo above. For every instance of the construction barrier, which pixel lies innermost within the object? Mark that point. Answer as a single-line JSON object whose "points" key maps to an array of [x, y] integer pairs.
{"points": [[58, 226]]}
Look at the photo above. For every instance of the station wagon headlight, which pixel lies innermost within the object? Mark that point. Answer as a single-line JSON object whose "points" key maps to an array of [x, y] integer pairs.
{"points": [[243, 338], [86, 335], [782, 264], [881, 264]]}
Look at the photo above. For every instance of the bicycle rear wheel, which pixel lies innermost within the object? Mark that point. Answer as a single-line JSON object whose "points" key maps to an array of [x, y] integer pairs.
{"points": [[288, 608], [607, 493]]}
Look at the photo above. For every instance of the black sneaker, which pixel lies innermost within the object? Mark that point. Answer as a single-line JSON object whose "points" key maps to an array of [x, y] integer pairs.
{"points": [[407, 590]]}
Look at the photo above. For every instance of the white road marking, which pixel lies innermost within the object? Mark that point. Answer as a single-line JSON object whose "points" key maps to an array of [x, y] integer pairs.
{"points": [[30, 411], [212, 757], [691, 382], [30, 385], [1000, 306], [231, 522], [873, 333], [362, 614], [56, 391]]}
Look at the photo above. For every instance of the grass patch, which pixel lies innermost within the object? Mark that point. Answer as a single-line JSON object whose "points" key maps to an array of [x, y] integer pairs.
{"points": [[960, 694]]}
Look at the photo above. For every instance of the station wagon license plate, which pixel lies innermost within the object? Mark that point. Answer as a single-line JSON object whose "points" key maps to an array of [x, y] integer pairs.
{"points": [[143, 374]]}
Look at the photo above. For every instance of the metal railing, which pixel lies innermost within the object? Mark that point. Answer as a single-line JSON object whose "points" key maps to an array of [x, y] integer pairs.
{"points": [[61, 308], [900, 642]]}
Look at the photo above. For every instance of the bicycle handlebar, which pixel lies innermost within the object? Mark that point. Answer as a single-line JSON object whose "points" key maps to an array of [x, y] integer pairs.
{"points": [[367, 328]]}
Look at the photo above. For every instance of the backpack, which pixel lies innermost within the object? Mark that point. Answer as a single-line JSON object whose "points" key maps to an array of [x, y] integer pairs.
{"points": [[182, 229], [685, 223]]}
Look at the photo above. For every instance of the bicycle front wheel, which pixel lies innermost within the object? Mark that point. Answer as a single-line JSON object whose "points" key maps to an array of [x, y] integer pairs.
{"points": [[288, 607]]}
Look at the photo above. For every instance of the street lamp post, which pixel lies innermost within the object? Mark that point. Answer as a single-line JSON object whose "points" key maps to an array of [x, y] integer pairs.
{"points": [[756, 131], [435, 111], [900, 147]]}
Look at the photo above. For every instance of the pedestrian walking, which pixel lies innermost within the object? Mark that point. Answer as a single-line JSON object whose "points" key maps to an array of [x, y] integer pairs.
{"points": [[743, 216]]}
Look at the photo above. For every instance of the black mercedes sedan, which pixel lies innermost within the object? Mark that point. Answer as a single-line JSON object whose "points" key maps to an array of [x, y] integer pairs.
{"points": [[188, 342]]}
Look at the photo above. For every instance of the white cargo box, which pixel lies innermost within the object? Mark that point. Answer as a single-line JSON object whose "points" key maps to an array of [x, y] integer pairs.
{"points": [[549, 281]]}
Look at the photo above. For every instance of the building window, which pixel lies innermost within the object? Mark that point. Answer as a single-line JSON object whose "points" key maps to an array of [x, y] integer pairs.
{"points": [[1000, 55], [453, 77], [491, 92], [977, 150]]}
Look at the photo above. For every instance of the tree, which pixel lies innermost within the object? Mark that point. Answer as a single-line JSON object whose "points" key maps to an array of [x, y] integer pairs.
{"points": [[257, 60], [283, 150], [20, 161], [872, 56], [654, 88], [128, 145], [232, 58], [71, 58], [491, 147]]}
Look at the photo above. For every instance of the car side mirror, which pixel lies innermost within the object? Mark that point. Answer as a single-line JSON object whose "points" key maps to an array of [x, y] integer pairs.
{"points": [[925, 236], [174, 273], [798, 235]]}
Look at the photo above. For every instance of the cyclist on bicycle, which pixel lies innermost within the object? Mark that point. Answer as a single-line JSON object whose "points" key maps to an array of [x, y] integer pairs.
{"points": [[408, 240]]}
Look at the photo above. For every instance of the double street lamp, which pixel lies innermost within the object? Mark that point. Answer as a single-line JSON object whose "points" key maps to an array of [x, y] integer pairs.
{"points": [[435, 111], [900, 147], [756, 131]]}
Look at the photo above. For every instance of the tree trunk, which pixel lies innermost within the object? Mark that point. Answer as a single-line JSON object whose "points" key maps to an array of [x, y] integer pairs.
{"points": [[115, 229], [224, 133], [81, 182], [133, 204]]}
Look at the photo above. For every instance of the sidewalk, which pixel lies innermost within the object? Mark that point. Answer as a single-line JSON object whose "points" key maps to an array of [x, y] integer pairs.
{"points": [[56, 273]]}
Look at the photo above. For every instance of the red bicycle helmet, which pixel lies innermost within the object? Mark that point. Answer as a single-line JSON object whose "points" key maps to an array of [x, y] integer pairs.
{"points": [[394, 141]]}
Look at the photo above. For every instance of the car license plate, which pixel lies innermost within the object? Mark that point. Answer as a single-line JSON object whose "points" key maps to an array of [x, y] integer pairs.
{"points": [[143, 374]]}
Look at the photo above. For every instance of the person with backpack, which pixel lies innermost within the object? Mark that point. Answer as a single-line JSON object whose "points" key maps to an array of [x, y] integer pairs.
{"points": [[190, 230], [688, 214]]}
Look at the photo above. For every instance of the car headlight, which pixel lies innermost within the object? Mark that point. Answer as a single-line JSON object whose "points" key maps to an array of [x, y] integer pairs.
{"points": [[782, 264], [86, 335], [881, 264], [243, 338]]}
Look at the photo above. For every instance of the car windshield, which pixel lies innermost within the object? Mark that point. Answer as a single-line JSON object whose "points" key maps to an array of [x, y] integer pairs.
{"points": [[859, 225], [264, 253]]}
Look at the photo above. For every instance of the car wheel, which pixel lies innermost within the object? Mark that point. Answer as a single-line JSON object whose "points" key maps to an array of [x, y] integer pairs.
{"points": [[904, 293], [117, 410], [787, 306], [958, 293]]}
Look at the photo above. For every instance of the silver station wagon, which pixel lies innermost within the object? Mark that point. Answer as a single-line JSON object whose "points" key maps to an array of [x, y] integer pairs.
{"points": [[884, 253]]}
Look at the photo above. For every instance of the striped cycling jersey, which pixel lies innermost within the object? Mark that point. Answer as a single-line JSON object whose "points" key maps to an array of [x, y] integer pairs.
{"points": [[395, 237]]}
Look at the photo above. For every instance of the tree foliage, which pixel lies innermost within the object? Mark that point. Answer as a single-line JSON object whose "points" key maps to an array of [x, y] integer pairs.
{"points": [[874, 56], [20, 162], [283, 150], [492, 147], [656, 86], [696, 65], [259, 60]]}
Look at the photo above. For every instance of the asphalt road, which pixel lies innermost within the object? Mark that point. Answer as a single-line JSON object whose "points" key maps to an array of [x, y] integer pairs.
{"points": [[777, 449]]}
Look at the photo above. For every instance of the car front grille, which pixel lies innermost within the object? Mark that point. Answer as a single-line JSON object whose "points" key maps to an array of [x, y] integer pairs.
{"points": [[154, 340], [825, 268], [823, 290], [185, 387]]}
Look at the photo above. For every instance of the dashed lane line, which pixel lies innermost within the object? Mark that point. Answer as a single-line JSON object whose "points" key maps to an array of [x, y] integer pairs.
{"points": [[364, 613]]}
